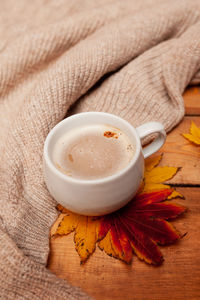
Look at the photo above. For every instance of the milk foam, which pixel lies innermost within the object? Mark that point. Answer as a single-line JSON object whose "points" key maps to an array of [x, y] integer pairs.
{"points": [[93, 152]]}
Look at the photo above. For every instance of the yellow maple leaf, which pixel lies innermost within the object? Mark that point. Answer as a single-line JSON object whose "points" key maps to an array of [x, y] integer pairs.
{"points": [[194, 135], [154, 176], [86, 229], [86, 232], [152, 162], [106, 244]]}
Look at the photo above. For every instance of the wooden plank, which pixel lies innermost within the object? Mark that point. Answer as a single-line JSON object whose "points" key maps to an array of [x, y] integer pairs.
{"points": [[192, 100], [179, 152], [105, 278]]}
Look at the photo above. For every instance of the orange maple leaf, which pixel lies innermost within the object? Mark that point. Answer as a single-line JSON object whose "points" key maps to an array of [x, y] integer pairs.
{"points": [[109, 231], [139, 227]]}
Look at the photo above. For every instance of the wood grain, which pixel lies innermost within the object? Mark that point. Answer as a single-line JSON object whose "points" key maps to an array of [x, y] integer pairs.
{"points": [[179, 152], [192, 100], [106, 278]]}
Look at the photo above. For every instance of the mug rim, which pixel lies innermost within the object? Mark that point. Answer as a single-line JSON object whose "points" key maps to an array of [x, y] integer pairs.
{"points": [[90, 181]]}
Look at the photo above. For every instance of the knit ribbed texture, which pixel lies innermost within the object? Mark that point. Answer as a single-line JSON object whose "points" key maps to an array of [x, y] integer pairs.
{"points": [[131, 58]]}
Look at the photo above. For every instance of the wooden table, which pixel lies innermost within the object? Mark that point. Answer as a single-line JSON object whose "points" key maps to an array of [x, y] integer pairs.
{"points": [[179, 277]]}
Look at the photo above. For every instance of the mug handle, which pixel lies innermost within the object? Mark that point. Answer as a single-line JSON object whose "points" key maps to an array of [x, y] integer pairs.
{"points": [[147, 129]]}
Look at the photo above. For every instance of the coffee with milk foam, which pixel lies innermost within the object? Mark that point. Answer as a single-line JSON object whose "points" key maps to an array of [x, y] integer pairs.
{"points": [[93, 152]]}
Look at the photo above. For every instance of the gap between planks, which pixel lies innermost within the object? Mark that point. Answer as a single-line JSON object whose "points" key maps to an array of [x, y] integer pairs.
{"points": [[192, 101]]}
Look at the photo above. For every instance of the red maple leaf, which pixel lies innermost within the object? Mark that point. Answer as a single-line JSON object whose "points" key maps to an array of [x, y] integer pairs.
{"points": [[140, 226]]}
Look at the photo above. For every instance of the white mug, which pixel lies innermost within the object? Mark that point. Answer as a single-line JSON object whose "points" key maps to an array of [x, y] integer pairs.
{"points": [[105, 195]]}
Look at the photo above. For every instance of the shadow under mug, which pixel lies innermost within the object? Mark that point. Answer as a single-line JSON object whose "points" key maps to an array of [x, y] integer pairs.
{"points": [[105, 195]]}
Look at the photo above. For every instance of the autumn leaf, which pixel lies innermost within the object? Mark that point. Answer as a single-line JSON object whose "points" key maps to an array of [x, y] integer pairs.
{"points": [[194, 135], [86, 232], [136, 228], [139, 227], [155, 176], [152, 162]]}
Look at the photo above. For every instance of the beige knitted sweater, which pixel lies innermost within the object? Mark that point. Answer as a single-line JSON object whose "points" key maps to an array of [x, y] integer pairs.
{"points": [[132, 58]]}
